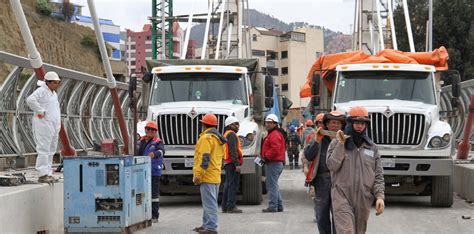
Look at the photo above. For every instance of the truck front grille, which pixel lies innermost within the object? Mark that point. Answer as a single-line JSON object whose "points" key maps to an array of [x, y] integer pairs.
{"points": [[181, 129], [398, 129]]}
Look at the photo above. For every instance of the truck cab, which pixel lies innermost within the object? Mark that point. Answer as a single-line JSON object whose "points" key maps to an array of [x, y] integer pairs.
{"points": [[403, 101]]}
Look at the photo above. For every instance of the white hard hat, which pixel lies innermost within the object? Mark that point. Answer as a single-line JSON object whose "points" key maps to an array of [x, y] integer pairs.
{"points": [[51, 76], [271, 118], [230, 120]]}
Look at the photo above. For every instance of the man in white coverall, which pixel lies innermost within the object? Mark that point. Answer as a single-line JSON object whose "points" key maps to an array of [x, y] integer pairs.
{"points": [[46, 123]]}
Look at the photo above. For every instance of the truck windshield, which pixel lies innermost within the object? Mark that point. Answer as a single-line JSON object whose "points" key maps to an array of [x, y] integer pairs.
{"points": [[385, 85], [180, 87]]}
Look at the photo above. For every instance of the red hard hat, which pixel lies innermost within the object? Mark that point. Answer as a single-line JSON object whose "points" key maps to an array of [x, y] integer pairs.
{"points": [[359, 113], [151, 124], [209, 119], [309, 122]]}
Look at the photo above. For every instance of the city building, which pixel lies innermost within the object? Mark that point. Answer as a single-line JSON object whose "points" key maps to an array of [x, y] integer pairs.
{"points": [[138, 48], [288, 58]]}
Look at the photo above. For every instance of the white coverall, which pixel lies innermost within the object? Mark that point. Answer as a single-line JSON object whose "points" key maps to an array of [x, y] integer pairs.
{"points": [[45, 130]]}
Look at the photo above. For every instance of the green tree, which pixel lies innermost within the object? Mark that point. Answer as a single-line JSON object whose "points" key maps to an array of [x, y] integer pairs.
{"points": [[43, 7], [452, 28]]}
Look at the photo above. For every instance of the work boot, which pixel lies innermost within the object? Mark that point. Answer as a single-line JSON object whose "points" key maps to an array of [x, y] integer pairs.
{"points": [[268, 210], [234, 210], [205, 231], [198, 229], [154, 220], [291, 166], [46, 179], [297, 167], [54, 179]]}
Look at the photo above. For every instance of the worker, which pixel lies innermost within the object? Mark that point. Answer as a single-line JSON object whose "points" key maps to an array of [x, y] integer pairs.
{"points": [[319, 120], [208, 156], [308, 133], [356, 174], [233, 159], [151, 145], [319, 177], [273, 153], [46, 124], [294, 143]]}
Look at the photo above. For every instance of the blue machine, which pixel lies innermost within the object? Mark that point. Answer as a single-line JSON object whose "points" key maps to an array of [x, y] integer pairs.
{"points": [[107, 194]]}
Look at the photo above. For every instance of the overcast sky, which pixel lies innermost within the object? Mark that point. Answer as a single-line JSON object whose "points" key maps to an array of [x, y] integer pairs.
{"points": [[336, 15]]}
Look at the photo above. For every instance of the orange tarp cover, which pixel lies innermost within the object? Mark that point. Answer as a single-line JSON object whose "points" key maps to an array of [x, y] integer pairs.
{"points": [[327, 63]]}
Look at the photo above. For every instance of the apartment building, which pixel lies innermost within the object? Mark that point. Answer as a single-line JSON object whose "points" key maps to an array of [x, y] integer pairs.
{"points": [[288, 57]]}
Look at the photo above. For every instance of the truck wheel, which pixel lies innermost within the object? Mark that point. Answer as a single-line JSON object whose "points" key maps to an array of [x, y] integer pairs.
{"points": [[252, 187], [442, 191]]}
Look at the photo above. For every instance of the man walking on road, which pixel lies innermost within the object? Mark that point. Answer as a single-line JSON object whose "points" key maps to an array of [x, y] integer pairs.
{"points": [[207, 171], [273, 153], [151, 145], [294, 143], [356, 174], [46, 123], [233, 160], [319, 176]]}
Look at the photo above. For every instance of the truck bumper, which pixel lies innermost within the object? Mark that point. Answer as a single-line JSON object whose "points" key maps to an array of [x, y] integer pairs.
{"points": [[184, 165], [418, 166]]}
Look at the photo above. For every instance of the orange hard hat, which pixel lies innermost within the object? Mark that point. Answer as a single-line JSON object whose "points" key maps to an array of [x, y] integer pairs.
{"points": [[209, 119], [151, 124], [359, 113], [309, 122], [319, 117]]}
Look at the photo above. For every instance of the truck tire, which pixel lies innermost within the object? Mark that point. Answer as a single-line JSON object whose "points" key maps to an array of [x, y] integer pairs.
{"points": [[442, 191], [252, 187]]}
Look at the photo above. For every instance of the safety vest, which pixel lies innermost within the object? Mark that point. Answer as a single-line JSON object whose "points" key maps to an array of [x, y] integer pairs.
{"points": [[227, 157]]}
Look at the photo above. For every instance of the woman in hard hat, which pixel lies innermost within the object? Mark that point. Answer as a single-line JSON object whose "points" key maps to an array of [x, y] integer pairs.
{"points": [[151, 145], [356, 174], [46, 123]]}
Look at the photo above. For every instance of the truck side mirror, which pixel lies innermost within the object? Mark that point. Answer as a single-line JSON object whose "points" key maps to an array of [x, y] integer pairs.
{"points": [[286, 103], [131, 89], [268, 87], [315, 101], [455, 84], [316, 82], [147, 77], [268, 102]]}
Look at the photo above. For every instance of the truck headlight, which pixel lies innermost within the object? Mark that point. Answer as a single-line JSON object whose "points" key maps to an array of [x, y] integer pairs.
{"points": [[247, 140], [439, 142], [436, 142]]}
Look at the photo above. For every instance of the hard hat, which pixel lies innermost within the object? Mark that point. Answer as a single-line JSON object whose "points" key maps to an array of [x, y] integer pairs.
{"points": [[51, 76], [334, 115], [230, 120], [309, 122], [209, 119], [292, 128], [320, 117], [272, 118], [358, 113], [151, 124]]}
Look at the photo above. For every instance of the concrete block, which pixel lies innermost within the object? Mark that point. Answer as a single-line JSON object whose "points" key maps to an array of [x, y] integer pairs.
{"points": [[463, 181]]}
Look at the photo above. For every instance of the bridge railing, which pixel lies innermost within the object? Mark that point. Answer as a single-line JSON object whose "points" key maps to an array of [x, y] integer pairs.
{"points": [[86, 109]]}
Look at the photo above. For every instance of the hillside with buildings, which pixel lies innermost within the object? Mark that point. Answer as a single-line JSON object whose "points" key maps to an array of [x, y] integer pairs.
{"points": [[58, 42], [333, 41]]}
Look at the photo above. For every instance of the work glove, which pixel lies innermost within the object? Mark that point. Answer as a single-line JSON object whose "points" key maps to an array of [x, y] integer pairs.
{"points": [[379, 206], [340, 137], [318, 137]]}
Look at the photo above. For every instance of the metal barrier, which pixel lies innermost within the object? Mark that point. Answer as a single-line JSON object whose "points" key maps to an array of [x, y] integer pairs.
{"points": [[86, 108], [458, 120]]}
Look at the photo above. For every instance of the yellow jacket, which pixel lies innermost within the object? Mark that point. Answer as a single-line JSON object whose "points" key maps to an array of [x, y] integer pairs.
{"points": [[210, 150]]}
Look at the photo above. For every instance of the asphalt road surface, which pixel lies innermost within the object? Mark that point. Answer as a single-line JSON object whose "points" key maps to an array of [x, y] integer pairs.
{"points": [[403, 214]]}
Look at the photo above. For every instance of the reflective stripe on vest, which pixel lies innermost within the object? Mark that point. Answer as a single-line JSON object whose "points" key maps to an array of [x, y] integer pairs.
{"points": [[227, 157]]}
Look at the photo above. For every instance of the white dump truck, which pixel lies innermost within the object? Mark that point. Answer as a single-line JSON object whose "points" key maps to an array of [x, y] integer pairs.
{"points": [[403, 101], [183, 91]]}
